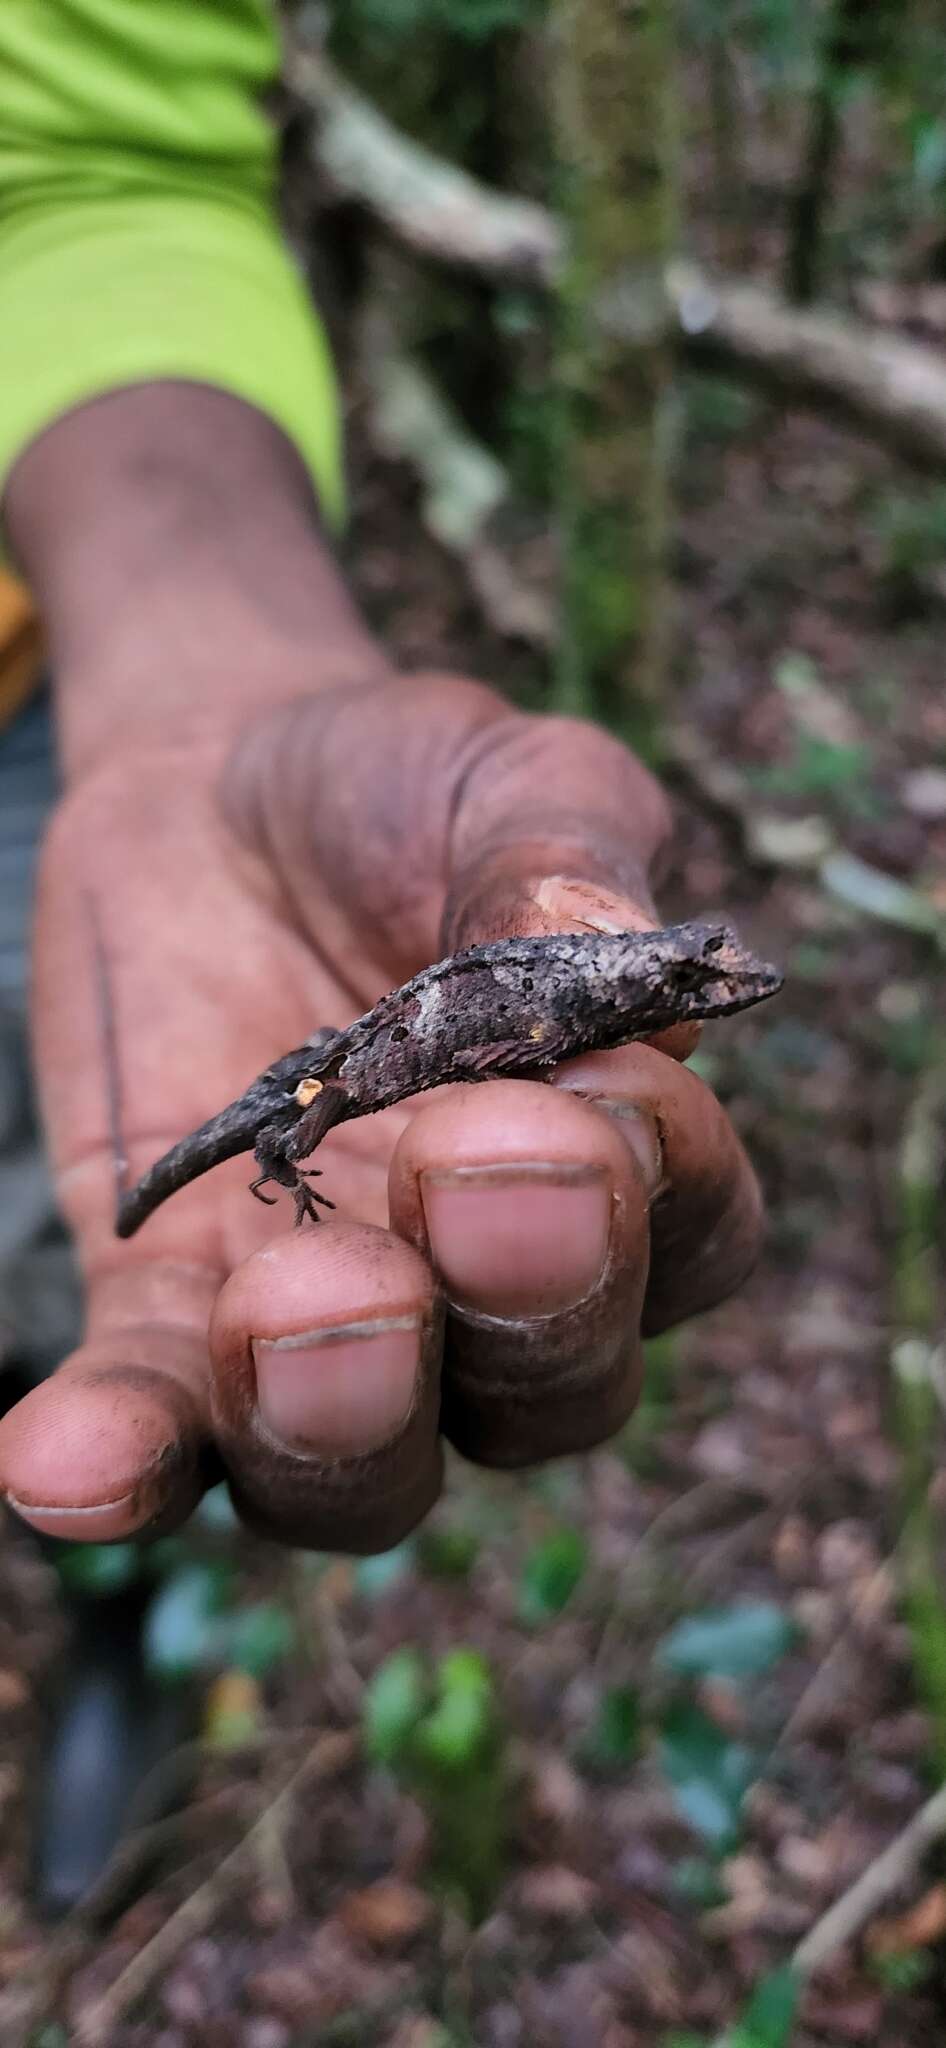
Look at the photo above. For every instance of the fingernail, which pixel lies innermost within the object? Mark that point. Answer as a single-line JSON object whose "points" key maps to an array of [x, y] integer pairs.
{"points": [[518, 1240], [583, 903], [639, 1132], [101, 1523], [341, 1391]]}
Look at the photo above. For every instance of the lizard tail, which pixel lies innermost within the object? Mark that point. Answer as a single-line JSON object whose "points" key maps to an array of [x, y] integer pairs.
{"points": [[268, 1103], [223, 1136]]}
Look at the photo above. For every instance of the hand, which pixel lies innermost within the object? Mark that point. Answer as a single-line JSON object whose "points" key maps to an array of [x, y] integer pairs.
{"points": [[244, 891], [264, 830]]}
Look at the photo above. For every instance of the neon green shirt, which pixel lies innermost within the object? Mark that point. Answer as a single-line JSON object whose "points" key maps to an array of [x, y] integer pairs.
{"points": [[138, 236]]}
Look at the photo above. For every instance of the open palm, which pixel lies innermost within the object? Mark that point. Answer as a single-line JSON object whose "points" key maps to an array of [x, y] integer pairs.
{"points": [[495, 1251]]}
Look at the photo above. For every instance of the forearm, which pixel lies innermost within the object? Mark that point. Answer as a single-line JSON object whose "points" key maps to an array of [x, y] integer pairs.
{"points": [[165, 388], [171, 537]]}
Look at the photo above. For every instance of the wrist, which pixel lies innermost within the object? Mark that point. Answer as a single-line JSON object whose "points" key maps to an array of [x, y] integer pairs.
{"points": [[200, 657], [171, 541]]}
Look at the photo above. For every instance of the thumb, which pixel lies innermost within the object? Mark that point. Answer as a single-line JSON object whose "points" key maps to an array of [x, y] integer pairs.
{"points": [[556, 819], [558, 828], [436, 816]]}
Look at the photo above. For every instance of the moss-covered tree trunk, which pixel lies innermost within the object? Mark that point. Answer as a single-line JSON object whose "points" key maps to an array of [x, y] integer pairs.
{"points": [[615, 149]]}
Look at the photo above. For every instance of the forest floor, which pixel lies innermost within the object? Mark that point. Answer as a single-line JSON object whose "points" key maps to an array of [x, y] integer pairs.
{"points": [[761, 1469]]}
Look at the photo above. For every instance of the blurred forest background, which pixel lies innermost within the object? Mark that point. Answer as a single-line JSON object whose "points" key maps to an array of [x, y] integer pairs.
{"points": [[641, 317]]}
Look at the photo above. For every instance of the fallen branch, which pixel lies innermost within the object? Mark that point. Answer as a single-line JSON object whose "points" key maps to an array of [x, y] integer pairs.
{"points": [[891, 389], [428, 205], [897, 1863]]}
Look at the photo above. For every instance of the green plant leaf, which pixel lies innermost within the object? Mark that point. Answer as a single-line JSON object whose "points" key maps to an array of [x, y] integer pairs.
{"points": [[770, 2014], [185, 1629], [550, 1576], [448, 1553], [729, 1642], [394, 1701], [929, 154], [904, 1972], [259, 1636], [709, 1773], [464, 1671], [233, 1711], [161, 1560], [216, 1510], [97, 1569], [696, 1879], [461, 1728], [614, 1737], [374, 1576], [818, 768], [877, 894]]}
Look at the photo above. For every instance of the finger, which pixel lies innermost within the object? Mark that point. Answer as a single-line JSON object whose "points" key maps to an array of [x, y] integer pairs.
{"points": [[558, 828], [707, 1219], [326, 1350], [471, 822], [549, 798], [532, 1208], [116, 1443], [131, 1032]]}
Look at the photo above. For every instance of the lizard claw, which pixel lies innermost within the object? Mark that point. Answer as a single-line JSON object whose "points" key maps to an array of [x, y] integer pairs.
{"points": [[306, 1200]]}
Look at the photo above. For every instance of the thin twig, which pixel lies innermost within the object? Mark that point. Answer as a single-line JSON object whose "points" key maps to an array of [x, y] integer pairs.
{"points": [[819, 1685], [885, 1875], [342, 1674], [681, 1516]]}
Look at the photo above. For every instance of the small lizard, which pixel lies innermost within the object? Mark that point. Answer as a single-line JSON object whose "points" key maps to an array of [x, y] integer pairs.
{"points": [[508, 1008]]}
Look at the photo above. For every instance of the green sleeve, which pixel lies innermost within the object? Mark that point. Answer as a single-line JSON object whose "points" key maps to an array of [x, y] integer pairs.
{"points": [[137, 229]]}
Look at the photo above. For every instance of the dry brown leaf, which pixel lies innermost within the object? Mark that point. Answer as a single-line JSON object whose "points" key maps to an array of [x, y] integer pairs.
{"points": [[417, 2030], [857, 2018], [555, 1795], [924, 1923], [290, 1991], [14, 1691], [386, 1915], [553, 1892]]}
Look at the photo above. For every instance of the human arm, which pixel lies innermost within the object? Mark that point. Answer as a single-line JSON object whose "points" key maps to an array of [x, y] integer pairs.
{"points": [[267, 826], [273, 826]]}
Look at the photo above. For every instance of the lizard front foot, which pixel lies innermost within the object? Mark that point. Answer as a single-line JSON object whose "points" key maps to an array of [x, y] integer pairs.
{"points": [[278, 1170]]}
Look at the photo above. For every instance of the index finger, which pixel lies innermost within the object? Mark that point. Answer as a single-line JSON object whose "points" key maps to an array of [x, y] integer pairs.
{"points": [[707, 1217]]}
